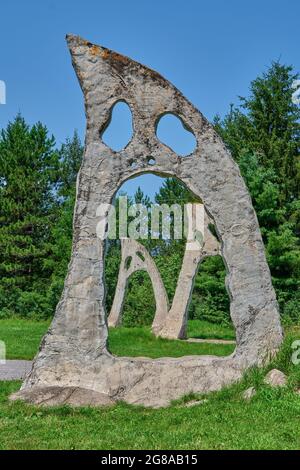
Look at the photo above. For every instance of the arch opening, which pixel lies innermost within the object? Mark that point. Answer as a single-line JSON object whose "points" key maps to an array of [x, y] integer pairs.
{"points": [[207, 308], [118, 131], [172, 131]]}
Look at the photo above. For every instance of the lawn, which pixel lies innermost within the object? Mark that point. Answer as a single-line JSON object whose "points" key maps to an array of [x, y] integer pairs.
{"points": [[141, 342], [204, 329], [22, 338], [225, 421]]}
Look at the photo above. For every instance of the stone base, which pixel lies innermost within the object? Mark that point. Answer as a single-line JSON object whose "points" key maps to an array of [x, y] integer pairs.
{"points": [[139, 381], [56, 396]]}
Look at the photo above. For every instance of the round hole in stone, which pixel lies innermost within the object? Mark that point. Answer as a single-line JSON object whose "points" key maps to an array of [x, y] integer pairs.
{"points": [[118, 131], [133, 165], [173, 132], [151, 161]]}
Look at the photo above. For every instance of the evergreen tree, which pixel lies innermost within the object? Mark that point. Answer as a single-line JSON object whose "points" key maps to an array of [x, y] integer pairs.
{"points": [[267, 124], [70, 158], [174, 191], [263, 134], [28, 176], [279, 231], [70, 155], [140, 198]]}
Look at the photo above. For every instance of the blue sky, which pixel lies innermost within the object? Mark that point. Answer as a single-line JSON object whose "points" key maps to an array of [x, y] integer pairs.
{"points": [[209, 50]]}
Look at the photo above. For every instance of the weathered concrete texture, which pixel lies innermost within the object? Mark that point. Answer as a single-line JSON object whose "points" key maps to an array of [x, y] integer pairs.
{"points": [[135, 257], [53, 396], [275, 378], [73, 353]]}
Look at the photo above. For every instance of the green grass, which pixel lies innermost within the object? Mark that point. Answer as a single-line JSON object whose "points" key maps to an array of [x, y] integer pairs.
{"points": [[141, 342], [204, 329], [225, 421], [22, 339]]}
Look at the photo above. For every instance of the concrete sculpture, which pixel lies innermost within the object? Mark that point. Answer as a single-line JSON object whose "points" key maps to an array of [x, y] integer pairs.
{"points": [[135, 257], [167, 323], [73, 364], [175, 323]]}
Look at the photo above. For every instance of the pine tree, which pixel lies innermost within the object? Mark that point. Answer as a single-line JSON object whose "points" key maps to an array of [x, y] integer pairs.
{"points": [[28, 175], [267, 124], [263, 134], [70, 158], [174, 191], [70, 155]]}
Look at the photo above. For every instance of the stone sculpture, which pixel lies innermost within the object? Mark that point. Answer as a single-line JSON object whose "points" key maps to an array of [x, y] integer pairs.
{"points": [[175, 323], [135, 257], [167, 323], [73, 364]]}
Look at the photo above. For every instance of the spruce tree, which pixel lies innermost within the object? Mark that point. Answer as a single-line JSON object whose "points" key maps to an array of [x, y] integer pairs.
{"points": [[263, 134], [70, 158], [28, 173], [267, 124]]}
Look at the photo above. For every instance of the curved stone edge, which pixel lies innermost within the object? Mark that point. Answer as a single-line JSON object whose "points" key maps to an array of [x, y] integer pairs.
{"points": [[140, 381], [131, 248], [170, 323]]}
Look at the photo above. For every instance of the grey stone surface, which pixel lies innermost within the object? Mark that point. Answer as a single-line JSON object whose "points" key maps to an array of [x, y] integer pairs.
{"points": [[74, 353], [192, 403], [249, 393], [275, 378], [53, 396], [14, 369]]}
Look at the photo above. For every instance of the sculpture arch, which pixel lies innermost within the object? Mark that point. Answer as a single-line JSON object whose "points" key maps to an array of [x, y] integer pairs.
{"points": [[140, 261], [73, 364], [170, 323]]}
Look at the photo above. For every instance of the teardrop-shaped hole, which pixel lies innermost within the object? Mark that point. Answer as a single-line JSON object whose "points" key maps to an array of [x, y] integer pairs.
{"points": [[172, 132], [128, 262], [118, 131]]}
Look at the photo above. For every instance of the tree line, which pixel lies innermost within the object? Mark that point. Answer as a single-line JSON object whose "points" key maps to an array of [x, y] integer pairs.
{"points": [[37, 195]]}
